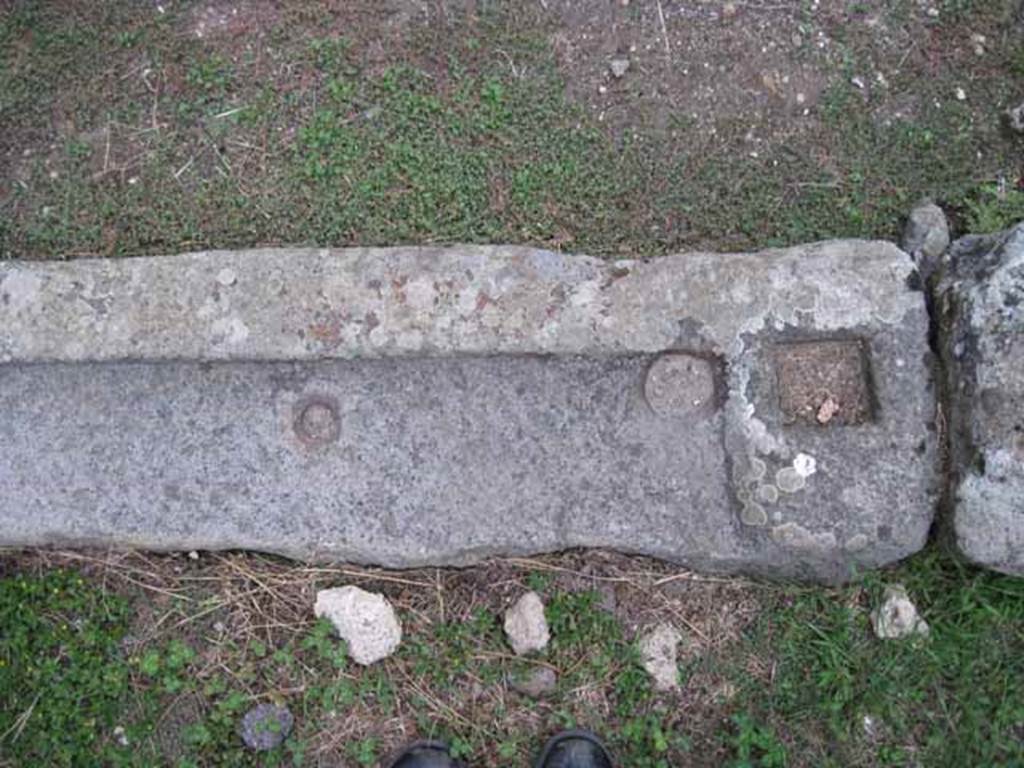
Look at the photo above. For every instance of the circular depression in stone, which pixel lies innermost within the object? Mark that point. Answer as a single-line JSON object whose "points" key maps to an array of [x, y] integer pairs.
{"points": [[679, 384], [316, 420]]}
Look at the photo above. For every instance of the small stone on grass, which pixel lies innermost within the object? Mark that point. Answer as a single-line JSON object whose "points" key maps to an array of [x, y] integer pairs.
{"points": [[525, 625], [897, 616], [266, 726], [926, 236], [537, 683], [364, 620], [658, 654]]}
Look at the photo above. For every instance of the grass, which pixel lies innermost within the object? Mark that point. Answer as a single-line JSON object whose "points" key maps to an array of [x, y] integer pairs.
{"points": [[62, 679], [165, 141], [134, 660], [953, 699]]}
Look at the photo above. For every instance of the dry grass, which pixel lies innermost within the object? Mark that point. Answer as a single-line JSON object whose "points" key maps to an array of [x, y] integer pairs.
{"points": [[233, 606], [768, 673]]}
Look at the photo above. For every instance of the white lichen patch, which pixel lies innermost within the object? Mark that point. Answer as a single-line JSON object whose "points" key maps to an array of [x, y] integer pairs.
{"points": [[753, 514], [789, 480], [805, 465], [758, 468], [794, 478], [760, 438]]}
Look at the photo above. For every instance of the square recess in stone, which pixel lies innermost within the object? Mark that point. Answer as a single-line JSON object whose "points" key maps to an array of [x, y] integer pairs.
{"points": [[824, 383]]}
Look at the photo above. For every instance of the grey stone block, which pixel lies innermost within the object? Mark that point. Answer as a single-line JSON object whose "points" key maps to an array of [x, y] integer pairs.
{"points": [[982, 298], [766, 413]]}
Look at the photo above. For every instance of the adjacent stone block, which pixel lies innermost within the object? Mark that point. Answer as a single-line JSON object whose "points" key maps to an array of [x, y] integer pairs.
{"points": [[768, 413], [982, 298]]}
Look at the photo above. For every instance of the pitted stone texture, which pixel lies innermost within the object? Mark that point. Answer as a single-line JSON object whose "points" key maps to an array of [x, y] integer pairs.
{"points": [[364, 620], [525, 625], [421, 406], [982, 297]]}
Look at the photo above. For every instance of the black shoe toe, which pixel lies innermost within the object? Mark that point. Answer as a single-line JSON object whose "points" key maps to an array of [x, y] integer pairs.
{"points": [[574, 749], [427, 754]]}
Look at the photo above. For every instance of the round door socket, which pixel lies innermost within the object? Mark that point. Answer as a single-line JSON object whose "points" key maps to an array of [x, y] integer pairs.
{"points": [[679, 384], [316, 420]]}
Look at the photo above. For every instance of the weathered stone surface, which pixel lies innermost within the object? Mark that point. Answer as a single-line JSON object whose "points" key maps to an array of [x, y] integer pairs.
{"points": [[364, 620], [526, 626], [982, 298], [423, 406]]}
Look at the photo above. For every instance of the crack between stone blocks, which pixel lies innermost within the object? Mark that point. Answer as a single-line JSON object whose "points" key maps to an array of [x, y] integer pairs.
{"points": [[941, 532]]}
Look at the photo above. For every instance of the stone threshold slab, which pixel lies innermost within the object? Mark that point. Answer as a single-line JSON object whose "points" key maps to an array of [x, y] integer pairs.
{"points": [[768, 413]]}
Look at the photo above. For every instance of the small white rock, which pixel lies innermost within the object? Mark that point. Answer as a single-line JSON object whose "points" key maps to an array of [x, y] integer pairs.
{"points": [[364, 620], [870, 727], [897, 616], [961, 94], [658, 654], [525, 625], [619, 67]]}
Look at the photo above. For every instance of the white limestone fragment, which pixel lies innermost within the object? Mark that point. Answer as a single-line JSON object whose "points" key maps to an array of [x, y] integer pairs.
{"points": [[364, 620]]}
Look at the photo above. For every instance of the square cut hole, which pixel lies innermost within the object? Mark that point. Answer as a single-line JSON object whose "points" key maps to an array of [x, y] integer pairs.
{"points": [[823, 383]]}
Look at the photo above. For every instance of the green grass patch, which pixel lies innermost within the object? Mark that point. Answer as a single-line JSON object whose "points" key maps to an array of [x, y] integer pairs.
{"points": [[64, 680], [847, 698], [306, 141], [992, 209]]}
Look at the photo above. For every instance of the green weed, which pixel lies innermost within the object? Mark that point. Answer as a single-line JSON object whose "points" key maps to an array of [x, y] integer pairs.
{"points": [[992, 209], [956, 698], [63, 675]]}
